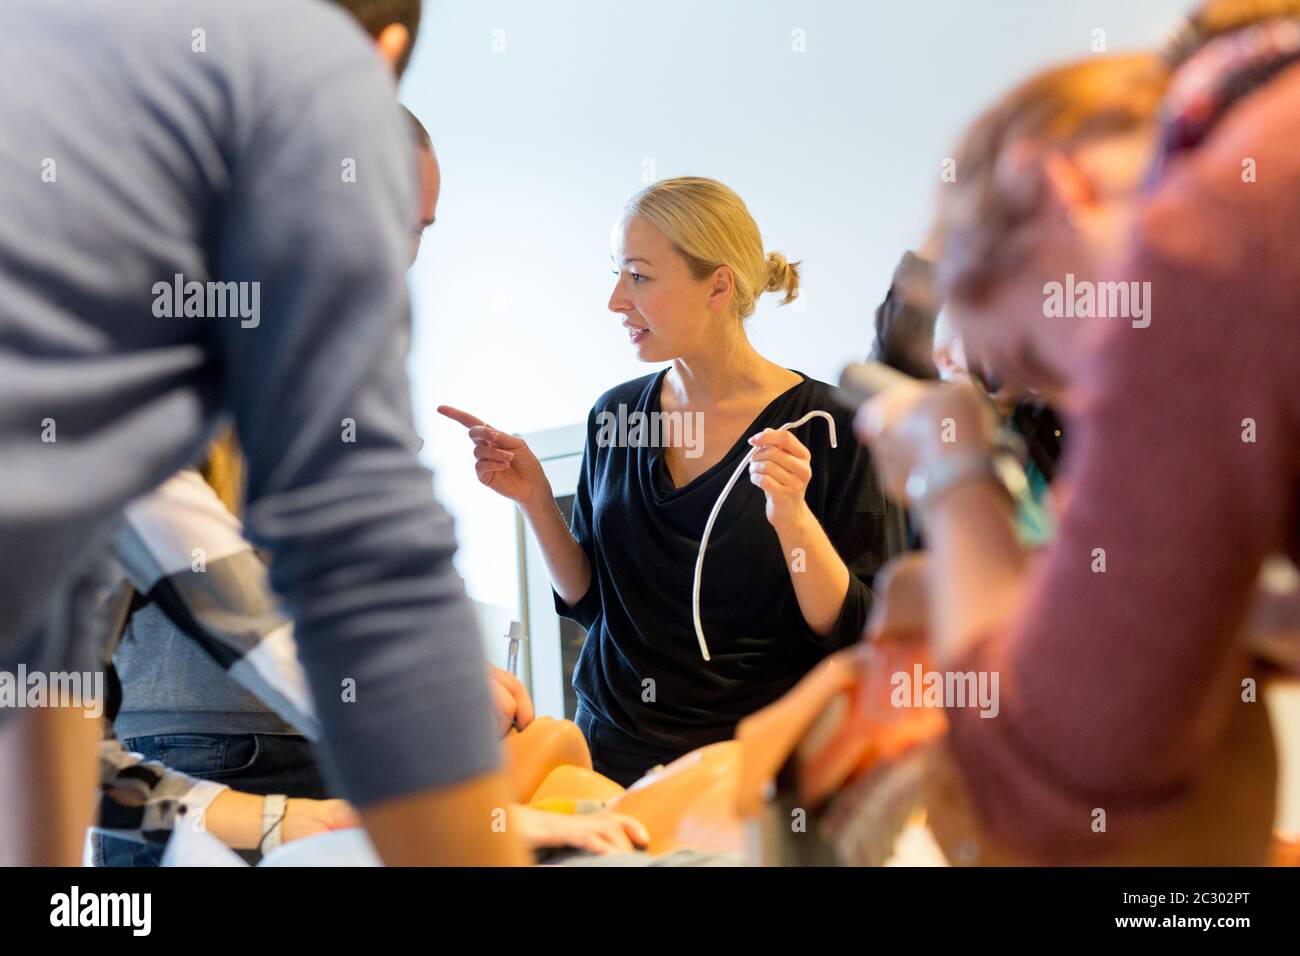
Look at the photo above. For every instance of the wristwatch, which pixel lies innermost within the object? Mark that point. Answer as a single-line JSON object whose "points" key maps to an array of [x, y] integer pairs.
{"points": [[274, 807], [928, 483]]}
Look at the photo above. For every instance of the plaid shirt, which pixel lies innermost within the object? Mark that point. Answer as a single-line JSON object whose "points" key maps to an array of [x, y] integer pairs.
{"points": [[143, 800], [182, 548], [227, 608]]}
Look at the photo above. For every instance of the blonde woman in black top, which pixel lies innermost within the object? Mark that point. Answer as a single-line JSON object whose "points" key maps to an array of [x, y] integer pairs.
{"points": [[793, 550]]}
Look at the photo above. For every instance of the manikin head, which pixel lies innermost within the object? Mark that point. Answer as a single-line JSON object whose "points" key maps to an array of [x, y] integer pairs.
{"points": [[690, 266]]}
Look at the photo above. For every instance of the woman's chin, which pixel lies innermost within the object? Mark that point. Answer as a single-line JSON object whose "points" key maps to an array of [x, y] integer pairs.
{"points": [[645, 352]]}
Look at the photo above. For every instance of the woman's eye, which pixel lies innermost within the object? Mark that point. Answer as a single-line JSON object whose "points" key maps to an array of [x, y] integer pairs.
{"points": [[636, 277]]}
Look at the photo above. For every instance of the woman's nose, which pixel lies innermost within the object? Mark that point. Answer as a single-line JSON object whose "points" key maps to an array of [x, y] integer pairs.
{"points": [[618, 300]]}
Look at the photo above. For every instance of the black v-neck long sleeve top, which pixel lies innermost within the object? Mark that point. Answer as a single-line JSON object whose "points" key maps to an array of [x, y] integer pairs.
{"points": [[640, 669]]}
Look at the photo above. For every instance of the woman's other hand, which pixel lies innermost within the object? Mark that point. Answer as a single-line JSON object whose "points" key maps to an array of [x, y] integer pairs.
{"points": [[782, 467], [502, 461]]}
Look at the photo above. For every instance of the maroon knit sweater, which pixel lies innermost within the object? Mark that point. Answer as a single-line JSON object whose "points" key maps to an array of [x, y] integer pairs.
{"points": [[1116, 686]]}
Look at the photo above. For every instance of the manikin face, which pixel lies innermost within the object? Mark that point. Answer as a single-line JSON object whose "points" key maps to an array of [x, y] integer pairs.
{"points": [[668, 313], [430, 188]]}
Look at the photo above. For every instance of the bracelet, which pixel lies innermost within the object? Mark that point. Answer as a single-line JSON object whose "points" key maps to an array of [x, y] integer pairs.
{"points": [[275, 807]]}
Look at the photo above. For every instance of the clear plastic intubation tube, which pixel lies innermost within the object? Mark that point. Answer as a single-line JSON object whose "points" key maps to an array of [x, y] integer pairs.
{"points": [[717, 507]]}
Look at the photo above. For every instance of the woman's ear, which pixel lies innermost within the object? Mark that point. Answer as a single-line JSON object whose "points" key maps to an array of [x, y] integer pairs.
{"points": [[1032, 173], [721, 286], [1064, 184], [1018, 175]]}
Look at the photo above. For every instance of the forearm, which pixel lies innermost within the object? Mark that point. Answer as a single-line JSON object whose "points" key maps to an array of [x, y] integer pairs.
{"points": [[465, 824], [819, 576], [142, 799], [235, 819], [566, 562], [238, 819], [975, 561], [47, 808]]}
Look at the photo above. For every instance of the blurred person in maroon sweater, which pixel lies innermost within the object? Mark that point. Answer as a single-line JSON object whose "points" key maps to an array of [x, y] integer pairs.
{"points": [[1124, 734]]}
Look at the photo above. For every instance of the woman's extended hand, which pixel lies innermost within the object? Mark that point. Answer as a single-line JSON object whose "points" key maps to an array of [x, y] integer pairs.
{"points": [[782, 467], [508, 466], [503, 462]]}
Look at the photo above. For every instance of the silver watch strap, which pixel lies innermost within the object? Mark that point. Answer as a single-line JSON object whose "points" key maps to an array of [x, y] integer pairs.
{"points": [[274, 807], [926, 484]]}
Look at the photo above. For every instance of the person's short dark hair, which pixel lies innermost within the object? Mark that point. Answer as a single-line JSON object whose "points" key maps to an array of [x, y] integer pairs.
{"points": [[375, 15], [422, 137], [905, 320]]}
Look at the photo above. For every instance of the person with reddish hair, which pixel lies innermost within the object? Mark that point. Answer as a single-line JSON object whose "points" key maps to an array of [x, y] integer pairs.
{"points": [[1124, 733]]}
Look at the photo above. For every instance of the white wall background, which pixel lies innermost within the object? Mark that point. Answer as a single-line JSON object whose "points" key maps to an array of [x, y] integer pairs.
{"points": [[548, 114]]}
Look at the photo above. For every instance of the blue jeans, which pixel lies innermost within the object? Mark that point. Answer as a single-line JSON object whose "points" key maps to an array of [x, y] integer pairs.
{"points": [[253, 763]]}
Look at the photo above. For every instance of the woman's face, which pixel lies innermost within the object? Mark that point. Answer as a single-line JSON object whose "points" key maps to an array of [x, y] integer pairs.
{"points": [[1010, 341], [1078, 235], [667, 312]]}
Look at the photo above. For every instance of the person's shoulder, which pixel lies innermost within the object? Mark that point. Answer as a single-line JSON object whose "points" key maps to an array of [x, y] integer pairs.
{"points": [[815, 388], [289, 49], [308, 25], [238, 33], [1270, 110], [816, 395], [1261, 129], [296, 22]]}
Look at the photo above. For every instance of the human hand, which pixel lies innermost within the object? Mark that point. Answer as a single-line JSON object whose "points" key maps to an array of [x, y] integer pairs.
{"points": [[503, 462], [915, 424], [513, 706], [304, 818], [782, 467], [901, 609], [602, 833]]}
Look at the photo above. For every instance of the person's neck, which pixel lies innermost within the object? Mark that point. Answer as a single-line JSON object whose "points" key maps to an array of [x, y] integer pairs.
{"points": [[722, 374]]}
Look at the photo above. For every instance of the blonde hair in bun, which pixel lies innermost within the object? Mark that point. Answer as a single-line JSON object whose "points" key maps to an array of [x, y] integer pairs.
{"points": [[711, 226], [782, 276]]}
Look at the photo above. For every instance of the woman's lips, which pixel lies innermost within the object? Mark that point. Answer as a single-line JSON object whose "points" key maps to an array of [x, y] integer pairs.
{"points": [[635, 334]]}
